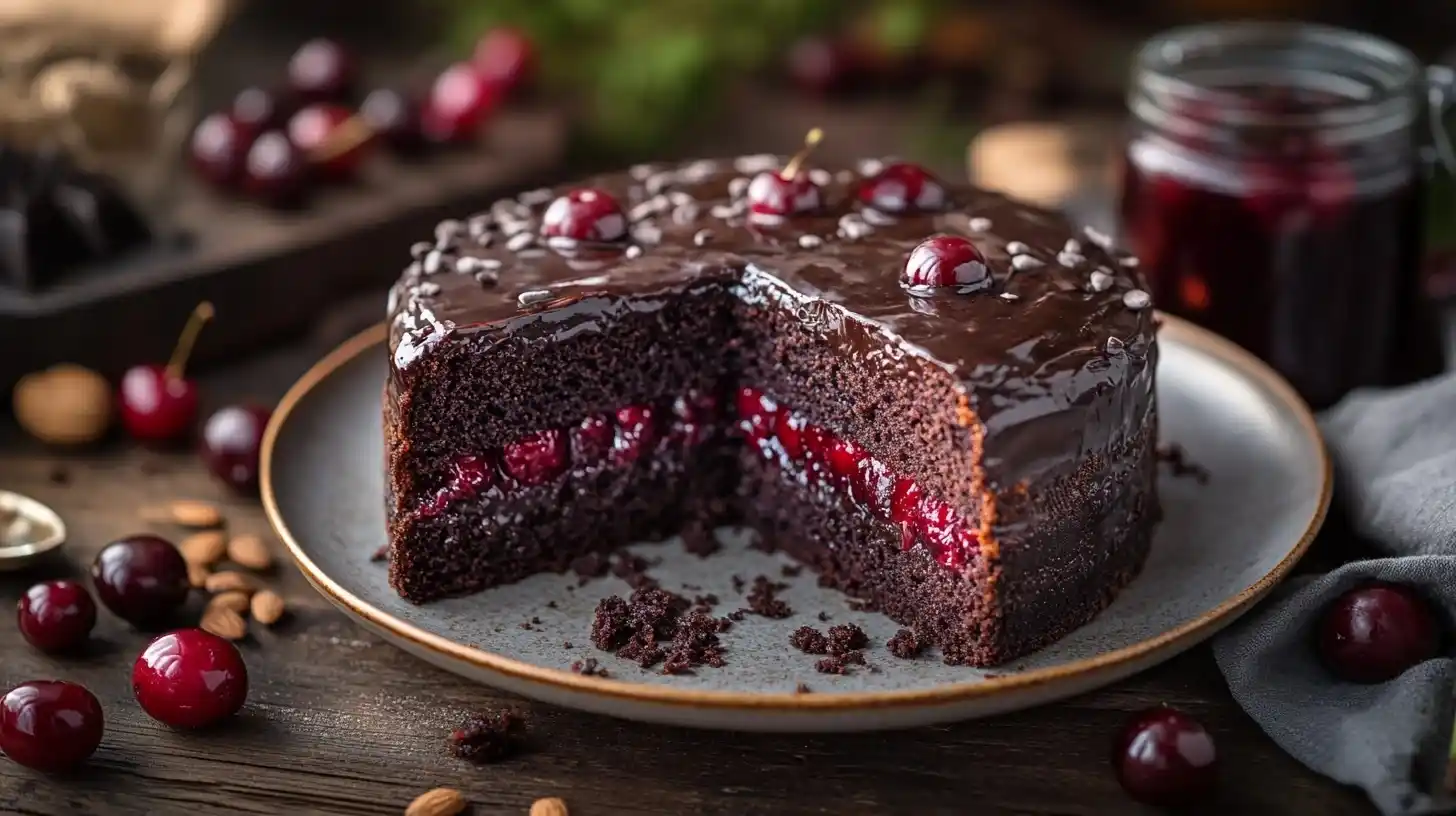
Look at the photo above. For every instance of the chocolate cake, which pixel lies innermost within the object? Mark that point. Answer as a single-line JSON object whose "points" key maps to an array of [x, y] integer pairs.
{"points": [[939, 400]]}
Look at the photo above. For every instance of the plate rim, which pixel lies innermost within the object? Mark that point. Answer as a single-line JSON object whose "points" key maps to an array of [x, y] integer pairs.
{"points": [[1160, 647]]}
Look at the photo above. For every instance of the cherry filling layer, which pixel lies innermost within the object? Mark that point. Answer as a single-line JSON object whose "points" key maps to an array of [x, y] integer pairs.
{"points": [[782, 436]]}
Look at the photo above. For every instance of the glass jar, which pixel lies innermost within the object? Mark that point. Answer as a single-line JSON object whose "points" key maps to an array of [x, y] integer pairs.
{"points": [[1273, 193]]}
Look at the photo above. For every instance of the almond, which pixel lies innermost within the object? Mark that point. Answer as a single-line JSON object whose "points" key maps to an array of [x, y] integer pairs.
{"points": [[223, 622], [205, 548], [232, 599], [197, 575], [550, 806], [184, 512], [229, 581], [438, 802], [268, 607], [250, 552]]}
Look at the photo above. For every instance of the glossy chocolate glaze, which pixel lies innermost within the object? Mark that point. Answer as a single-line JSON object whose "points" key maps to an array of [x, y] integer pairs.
{"points": [[1056, 358]]}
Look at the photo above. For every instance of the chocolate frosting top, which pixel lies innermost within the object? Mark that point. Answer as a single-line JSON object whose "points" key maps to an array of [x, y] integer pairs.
{"points": [[1057, 355]]}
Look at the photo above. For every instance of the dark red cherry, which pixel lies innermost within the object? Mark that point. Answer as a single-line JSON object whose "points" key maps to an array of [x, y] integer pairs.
{"points": [[756, 413], [258, 109], [334, 143], [586, 214], [873, 486], [504, 58], [1375, 633], [458, 105], [817, 442], [141, 579], [789, 429], [321, 70], [591, 440], [817, 65], [1165, 758], [395, 119], [276, 172], [56, 616], [469, 475], [158, 403], [189, 679], [636, 433], [937, 520], [50, 725], [945, 260], [902, 187], [536, 459], [693, 414], [771, 195], [232, 439], [905, 502], [844, 458], [219, 150]]}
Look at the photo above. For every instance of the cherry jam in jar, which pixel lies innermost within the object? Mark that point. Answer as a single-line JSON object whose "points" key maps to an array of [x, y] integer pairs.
{"points": [[1273, 193]]}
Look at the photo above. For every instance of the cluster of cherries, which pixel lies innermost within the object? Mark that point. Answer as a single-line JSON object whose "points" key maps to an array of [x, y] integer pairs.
{"points": [[273, 145], [158, 406], [187, 678]]}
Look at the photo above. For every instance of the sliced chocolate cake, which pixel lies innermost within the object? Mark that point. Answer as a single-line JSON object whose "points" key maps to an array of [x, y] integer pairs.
{"points": [[939, 400]]}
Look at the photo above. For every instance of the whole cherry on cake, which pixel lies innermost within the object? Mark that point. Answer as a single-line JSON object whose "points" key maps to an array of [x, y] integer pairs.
{"points": [[1166, 758], [141, 578], [945, 260], [1375, 633], [902, 187], [158, 403], [774, 195], [232, 441], [585, 214], [56, 616], [190, 679], [50, 725]]}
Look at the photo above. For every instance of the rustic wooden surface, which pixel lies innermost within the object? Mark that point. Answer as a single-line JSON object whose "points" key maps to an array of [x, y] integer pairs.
{"points": [[338, 722]]}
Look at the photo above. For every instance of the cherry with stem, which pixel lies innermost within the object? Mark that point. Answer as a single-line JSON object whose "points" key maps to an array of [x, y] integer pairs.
{"points": [[158, 402]]}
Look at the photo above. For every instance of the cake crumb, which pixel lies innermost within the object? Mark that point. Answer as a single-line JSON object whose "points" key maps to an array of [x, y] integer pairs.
{"points": [[59, 475], [1177, 461], [550, 604], [809, 640], [846, 637], [803, 688], [824, 616], [706, 602], [738, 584], [791, 570], [633, 569], [381, 554], [840, 663], [566, 644], [698, 539], [763, 599], [656, 626], [859, 605], [589, 566], [737, 615], [590, 668], [526, 625], [906, 644], [490, 736]]}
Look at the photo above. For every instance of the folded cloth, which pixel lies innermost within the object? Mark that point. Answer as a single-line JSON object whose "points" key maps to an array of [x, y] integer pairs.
{"points": [[1395, 474]]}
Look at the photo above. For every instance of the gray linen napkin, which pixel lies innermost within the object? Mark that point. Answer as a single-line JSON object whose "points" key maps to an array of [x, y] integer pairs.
{"points": [[1395, 462]]}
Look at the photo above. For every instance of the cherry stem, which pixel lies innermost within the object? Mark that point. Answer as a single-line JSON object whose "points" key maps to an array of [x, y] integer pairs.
{"points": [[811, 141], [350, 133], [200, 315]]}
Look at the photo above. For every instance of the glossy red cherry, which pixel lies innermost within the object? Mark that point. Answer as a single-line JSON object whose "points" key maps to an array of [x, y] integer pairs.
{"points": [[50, 725], [469, 476], [158, 403], [56, 616], [844, 458], [817, 442], [218, 150], [873, 486], [190, 679], [757, 413], [789, 430], [458, 105], [536, 459], [321, 70], [902, 187], [258, 109], [693, 414], [905, 499], [586, 214], [1166, 758], [333, 141], [817, 65], [232, 439], [591, 440], [945, 260], [1375, 633], [636, 433], [504, 58], [395, 120], [776, 195], [141, 579], [276, 172]]}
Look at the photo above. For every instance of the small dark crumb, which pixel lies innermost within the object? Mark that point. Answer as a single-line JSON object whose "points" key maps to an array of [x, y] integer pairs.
{"points": [[738, 584], [858, 605], [59, 475], [489, 736], [525, 625], [698, 539], [692, 588], [536, 620], [381, 554], [633, 569], [906, 644], [591, 565], [590, 668], [802, 688], [823, 616], [840, 663], [809, 640], [846, 637], [763, 599], [791, 570], [738, 614], [566, 644], [1177, 460], [705, 602], [550, 604]]}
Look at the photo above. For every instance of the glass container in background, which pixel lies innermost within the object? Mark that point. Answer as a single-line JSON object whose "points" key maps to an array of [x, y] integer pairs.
{"points": [[1273, 193]]}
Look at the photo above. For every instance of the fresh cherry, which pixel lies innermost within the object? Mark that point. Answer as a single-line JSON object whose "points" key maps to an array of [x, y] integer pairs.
{"points": [[592, 439], [321, 70], [334, 142], [504, 58], [395, 119], [585, 214], [458, 104], [1376, 632], [258, 109], [189, 679], [158, 403], [50, 725], [141, 578], [1166, 758], [945, 260], [817, 65], [902, 187], [757, 413], [276, 172], [636, 433], [776, 195], [536, 459], [232, 439], [219, 149], [56, 616]]}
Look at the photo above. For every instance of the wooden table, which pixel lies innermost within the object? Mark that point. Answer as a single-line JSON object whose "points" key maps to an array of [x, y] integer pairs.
{"points": [[339, 722]]}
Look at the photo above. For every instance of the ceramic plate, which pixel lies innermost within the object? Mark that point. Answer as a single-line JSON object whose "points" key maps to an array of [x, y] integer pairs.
{"points": [[1222, 546]]}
